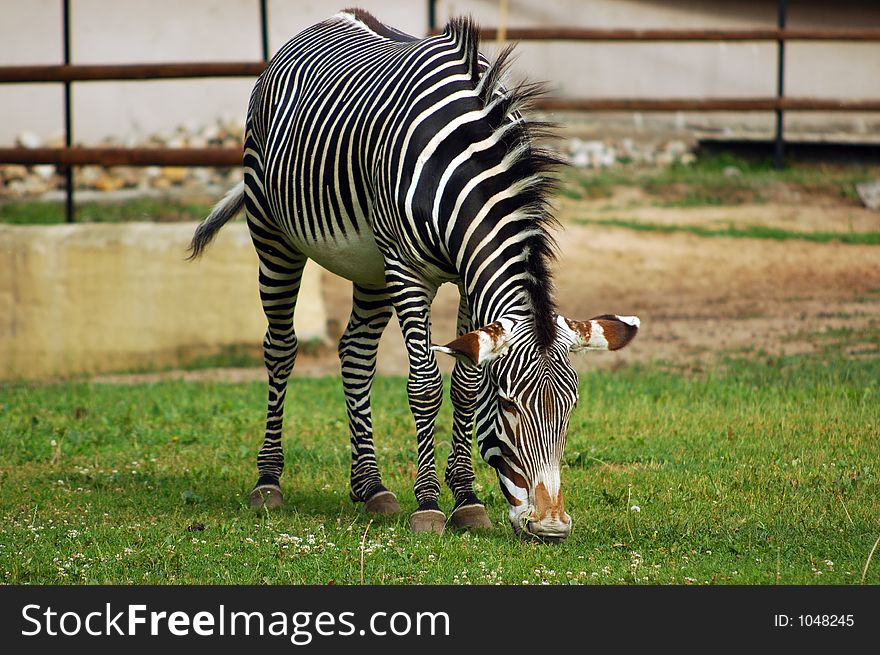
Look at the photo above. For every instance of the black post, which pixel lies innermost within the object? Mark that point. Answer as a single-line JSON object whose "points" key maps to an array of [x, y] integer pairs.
{"points": [[68, 123], [779, 145], [432, 16], [264, 29]]}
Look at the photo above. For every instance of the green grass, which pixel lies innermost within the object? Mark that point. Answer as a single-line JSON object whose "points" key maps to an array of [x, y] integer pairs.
{"points": [[230, 356], [136, 209], [234, 356], [863, 341], [743, 232], [762, 471], [705, 182]]}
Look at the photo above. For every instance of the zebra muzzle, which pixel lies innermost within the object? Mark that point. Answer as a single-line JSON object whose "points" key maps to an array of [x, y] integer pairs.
{"points": [[546, 517]]}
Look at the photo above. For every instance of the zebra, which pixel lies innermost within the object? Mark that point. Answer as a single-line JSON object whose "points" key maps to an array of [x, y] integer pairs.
{"points": [[403, 163]]}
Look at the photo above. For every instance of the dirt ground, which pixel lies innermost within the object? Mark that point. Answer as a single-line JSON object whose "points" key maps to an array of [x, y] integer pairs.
{"points": [[696, 296]]}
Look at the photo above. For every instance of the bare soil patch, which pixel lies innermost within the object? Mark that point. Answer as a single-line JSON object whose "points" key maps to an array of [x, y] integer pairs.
{"points": [[696, 296], [804, 214]]}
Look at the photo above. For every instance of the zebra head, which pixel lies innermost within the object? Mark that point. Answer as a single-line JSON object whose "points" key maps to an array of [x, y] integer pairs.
{"points": [[525, 405]]}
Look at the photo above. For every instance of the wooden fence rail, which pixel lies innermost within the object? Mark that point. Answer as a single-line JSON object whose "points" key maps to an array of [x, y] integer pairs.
{"points": [[602, 34], [68, 73], [121, 72]]}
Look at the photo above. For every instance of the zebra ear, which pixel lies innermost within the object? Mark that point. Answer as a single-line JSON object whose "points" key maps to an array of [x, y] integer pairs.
{"points": [[482, 345], [606, 332]]}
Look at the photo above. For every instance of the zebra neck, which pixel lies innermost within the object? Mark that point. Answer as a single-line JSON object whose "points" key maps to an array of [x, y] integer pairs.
{"points": [[506, 280], [493, 295]]}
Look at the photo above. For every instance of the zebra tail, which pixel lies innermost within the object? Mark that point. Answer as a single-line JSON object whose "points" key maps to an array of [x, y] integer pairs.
{"points": [[226, 209]]}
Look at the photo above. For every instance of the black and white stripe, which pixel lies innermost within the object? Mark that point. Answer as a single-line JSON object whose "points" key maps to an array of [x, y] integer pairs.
{"points": [[400, 164]]}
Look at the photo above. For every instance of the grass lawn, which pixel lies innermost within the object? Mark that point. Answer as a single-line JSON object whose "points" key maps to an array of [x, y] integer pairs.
{"points": [[708, 182], [36, 212], [745, 232], [762, 470]]}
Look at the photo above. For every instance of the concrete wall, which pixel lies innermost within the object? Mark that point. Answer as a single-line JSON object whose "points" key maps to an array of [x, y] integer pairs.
{"points": [[203, 30], [79, 299]]}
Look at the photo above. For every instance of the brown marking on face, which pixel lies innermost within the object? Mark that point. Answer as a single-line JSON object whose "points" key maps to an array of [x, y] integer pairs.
{"points": [[512, 436], [508, 455], [546, 506], [514, 477], [509, 432], [617, 333], [511, 499]]}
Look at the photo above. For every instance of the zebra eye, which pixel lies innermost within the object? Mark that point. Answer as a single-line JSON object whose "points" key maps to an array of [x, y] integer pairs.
{"points": [[507, 405]]}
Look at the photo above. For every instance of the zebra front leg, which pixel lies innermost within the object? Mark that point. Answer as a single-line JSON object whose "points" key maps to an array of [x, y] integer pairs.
{"points": [[412, 303], [469, 511], [280, 277], [370, 313]]}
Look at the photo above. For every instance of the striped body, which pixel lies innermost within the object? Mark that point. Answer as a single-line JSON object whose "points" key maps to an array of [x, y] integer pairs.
{"points": [[400, 164], [354, 163]]}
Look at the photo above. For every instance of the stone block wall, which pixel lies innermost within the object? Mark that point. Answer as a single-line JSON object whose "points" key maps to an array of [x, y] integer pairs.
{"points": [[91, 298]]}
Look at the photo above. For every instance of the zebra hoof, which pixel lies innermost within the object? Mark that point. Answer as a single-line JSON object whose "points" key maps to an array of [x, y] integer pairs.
{"points": [[427, 520], [382, 502], [266, 496], [471, 517]]}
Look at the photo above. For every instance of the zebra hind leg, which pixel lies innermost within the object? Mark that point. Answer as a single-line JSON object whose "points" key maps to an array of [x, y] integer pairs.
{"points": [[371, 311], [280, 276], [469, 511]]}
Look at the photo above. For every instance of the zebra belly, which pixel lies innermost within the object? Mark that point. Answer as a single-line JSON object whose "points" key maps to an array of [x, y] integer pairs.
{"points": [[354, 257]]}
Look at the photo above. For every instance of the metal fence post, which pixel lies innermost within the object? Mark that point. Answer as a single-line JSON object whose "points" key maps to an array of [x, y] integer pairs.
{"points": [[264, 29], [68, 157], [779, 144], [68, 122]]}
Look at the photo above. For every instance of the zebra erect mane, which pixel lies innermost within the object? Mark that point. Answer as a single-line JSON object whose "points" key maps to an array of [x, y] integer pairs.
{"points": [[377, 26], [533, 166]]}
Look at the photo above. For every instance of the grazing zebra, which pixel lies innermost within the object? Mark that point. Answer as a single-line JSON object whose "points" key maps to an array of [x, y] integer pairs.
{"points": [[400, 164]]}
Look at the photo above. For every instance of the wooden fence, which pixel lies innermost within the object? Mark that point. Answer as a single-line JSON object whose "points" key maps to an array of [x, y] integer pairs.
{"points": [[67, 74]]}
